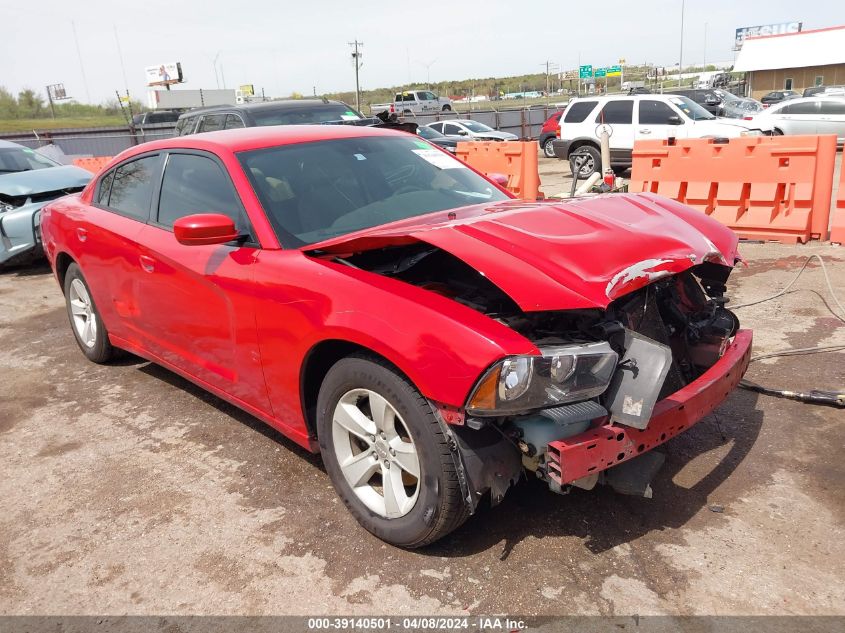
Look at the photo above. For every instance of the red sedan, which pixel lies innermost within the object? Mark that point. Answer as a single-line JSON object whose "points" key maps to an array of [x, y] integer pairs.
{"points": [[378, 301]]}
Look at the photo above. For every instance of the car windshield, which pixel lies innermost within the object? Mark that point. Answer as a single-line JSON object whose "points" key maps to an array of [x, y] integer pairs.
{"points": [[429, 133], [475, 126], [727, 97], [15, 159], [319, 190], [691, 109], [301, 115]]}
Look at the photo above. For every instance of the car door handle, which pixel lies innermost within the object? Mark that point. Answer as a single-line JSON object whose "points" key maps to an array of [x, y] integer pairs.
{"points": [[645, 131], [82, 234], [147, 263]]}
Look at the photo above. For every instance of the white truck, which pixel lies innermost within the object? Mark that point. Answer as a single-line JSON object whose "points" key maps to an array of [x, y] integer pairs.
{"points": [[414, 102]]}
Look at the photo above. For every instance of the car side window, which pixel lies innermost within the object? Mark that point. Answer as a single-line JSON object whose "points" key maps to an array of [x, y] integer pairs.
{"points": [[196, 184], [451, 128], [437, 127], [808, 107], [233, 121], [104, 188], [132, 187], [618, 112], [655, 112], [578, 112], [212, 123], [832, 107]]}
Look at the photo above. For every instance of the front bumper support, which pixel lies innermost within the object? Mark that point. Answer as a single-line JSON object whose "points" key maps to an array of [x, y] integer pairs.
{"points": [[601, 447]]}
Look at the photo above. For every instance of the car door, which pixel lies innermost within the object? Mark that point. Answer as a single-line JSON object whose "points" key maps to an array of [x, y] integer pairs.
{"points": [[618, 115], [107, 240], [195, 303], [797, 118], [658, 120], [832, 117]]}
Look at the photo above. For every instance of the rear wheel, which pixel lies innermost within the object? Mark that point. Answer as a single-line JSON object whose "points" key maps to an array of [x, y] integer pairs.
{"points": [[85, 321], [447, 108], [586, 159], [386, 453], [548, 148]]}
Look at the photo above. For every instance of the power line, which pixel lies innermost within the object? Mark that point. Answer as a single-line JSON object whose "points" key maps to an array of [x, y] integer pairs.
{"points": [[81, 65]]}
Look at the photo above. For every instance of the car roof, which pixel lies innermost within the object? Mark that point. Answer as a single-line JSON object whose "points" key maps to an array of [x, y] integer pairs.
{"points": [[9, 144], [285, 105], [249, 138]]}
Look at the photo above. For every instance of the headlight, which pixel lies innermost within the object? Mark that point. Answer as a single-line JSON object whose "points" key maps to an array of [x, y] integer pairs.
{"points": [[561, 374]]}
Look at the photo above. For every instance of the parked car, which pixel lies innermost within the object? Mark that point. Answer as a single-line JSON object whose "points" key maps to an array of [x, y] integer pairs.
{"points": [[287, 112], [471, 130], [449, 143], [386, 305], [155, 116], [548, 133], [806, 115], [741, 107], [638, 117], [776, 96], [817, 91], [414, 102], [28, 181], [708, 99]]}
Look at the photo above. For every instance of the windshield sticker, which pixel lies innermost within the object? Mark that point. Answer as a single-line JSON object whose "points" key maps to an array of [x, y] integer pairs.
{"points": [[359, 157], [28, 151], [349, 116], [422, 145], [438, 159]]}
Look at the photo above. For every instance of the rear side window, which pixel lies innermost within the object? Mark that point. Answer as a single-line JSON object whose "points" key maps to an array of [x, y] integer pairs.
{"points": [[212, 123], [233, 121], [185, 126], [578, 112], [655, 112], [132, 187], [808, 107], [195, 184], [105, 189], [616, 112]]}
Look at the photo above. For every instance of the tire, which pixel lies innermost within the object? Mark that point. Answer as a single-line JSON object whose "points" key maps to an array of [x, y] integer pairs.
{"points": [[777, 132], [446, 108], [427, 506], [93, 340], [548, 149], [592, 160]]}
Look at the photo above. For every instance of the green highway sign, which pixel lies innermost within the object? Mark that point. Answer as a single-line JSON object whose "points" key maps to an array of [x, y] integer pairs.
{"points": [[601, 72], [585, 72], [614, 71]]}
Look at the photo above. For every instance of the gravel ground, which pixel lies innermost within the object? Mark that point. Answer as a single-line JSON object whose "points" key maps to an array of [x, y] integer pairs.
{"points": [[127, 490]]}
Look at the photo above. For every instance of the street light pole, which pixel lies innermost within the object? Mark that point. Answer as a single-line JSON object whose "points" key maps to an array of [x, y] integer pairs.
{"points": [[681, 55], [356, 59]]}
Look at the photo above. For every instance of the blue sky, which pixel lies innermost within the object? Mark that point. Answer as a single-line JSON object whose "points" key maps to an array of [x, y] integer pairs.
{"points": [[286, 46]]}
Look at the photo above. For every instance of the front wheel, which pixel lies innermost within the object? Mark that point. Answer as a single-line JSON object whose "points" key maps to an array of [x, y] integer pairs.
{"points": [[386, 453], [447, 108], [777, 132], [85, 320]]}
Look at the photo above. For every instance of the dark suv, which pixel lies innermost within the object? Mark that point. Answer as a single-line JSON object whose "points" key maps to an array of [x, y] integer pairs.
{"points": [[711, 100], [289, 112]]}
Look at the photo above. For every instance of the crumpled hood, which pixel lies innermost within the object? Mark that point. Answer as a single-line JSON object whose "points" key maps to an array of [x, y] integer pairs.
{"points": [[35, 181], [582, 253]]}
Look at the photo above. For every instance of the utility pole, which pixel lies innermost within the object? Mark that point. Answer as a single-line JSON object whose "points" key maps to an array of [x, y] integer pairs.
{"points": [[704, 61], [681, 55], [50, 99], [356, 60]]}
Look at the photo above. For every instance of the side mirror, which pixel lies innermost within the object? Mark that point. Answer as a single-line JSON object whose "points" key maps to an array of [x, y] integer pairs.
{"points": [[463, 133], [204, 228], [499, 179], [674, 120]]}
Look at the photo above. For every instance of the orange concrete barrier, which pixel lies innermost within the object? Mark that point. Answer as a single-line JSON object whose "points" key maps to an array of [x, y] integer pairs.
{"points": [[837, 223], [763, 187], [515, 159], [94, 164]]}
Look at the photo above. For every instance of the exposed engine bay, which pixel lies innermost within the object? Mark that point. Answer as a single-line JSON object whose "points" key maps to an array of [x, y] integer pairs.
{"points": [[665, 334]]}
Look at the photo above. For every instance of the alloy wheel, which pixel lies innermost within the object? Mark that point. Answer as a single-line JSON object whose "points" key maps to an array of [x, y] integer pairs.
{"points": [[82, 311]]}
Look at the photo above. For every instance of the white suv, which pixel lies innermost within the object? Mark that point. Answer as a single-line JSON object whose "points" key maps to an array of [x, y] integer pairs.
{"points": [[630, 118]]}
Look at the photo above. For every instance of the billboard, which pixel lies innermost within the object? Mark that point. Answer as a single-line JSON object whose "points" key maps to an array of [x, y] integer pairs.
{"points": [[164, 74], [765, 29], [247, 90], [56, 92]]}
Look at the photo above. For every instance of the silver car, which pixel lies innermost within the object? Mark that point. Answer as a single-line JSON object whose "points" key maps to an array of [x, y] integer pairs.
{"points": [[807, 115], [28, 181], [471, 130]]}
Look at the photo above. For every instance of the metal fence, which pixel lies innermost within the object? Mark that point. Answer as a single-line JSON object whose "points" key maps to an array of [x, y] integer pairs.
{"points": [[110, 141]]}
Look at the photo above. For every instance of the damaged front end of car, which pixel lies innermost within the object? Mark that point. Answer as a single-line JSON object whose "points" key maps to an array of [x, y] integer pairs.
{"points": [[657, 352]]}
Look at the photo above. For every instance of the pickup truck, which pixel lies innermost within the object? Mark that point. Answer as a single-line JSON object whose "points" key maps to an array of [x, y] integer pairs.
{"points": [[414, 102]]}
